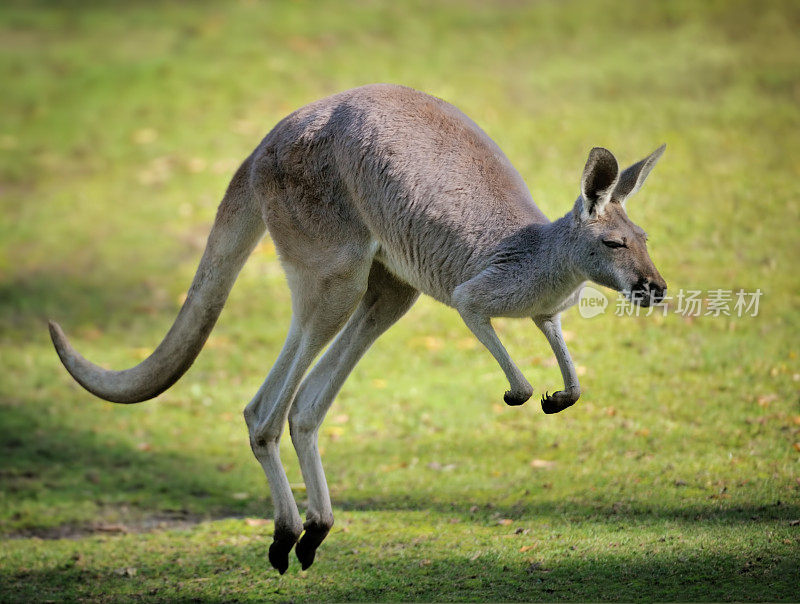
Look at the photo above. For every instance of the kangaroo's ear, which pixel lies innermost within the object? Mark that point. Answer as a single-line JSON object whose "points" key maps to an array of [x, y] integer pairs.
{"points": [[632, 179], [598, 180]]}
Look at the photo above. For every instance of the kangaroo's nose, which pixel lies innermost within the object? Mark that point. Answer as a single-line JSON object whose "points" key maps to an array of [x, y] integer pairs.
{"points": [[657, 292], [650, 292]]}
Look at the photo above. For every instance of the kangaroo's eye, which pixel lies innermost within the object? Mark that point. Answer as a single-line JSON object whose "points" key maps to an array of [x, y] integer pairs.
{"points": [[614, 243]]}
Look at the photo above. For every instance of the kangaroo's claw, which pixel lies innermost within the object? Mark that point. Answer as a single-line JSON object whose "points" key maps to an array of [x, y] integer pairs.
{"points": [[558, 401]]}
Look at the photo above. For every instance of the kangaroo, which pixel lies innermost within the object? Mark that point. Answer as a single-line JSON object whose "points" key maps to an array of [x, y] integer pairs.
{"points": [[372, 196]]}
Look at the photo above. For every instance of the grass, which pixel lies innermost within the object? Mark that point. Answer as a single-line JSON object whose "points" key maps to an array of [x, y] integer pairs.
{"points": [[674, 478]]}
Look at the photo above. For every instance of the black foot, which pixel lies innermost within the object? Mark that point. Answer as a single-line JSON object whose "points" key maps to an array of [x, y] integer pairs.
{"points": [[558, 401], [279, 554], [307, 546], [514, 399]]}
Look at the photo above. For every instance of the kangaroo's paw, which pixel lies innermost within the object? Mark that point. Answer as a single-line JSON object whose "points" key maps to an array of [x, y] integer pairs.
{"points": [[312, 538], [282, 544], [558, 401], [516, 398]]}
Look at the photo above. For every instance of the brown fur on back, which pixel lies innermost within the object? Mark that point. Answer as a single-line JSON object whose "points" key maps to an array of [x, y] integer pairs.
{"points": [[401, 169]]}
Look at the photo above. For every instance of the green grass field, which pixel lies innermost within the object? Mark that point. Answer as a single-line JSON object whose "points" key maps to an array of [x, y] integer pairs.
{"points": [[676, 477]]}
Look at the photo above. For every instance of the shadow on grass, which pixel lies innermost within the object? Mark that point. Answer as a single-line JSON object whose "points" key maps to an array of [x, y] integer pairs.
{"points": [[581, 576], [240, 573], [75, 473], [583, 509], [43, 462], [28, 302]]}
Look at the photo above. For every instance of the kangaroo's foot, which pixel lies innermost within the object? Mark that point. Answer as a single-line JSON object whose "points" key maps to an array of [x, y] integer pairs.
{"points": [[558, 401], [282, 544], [312, 538]]}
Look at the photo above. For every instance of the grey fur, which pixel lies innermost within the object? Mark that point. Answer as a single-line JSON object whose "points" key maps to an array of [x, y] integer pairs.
{"points": [[372, 196]]}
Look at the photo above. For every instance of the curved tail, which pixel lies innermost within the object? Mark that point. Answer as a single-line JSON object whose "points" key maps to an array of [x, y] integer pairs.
{"points": [[237, 229]]}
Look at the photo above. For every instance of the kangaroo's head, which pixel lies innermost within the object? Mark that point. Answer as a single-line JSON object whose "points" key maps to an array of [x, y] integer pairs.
{"points": [[611, 250]]}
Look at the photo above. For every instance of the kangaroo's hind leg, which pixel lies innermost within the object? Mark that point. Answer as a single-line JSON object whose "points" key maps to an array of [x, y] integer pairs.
{"points": [[386, 300], [325, 290]]}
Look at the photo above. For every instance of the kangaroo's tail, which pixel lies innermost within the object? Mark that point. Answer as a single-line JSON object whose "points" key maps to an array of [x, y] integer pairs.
{"points": [[237, 229]]}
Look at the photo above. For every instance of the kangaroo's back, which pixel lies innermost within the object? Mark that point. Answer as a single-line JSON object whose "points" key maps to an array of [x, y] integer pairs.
{"points": [[409, 171]]}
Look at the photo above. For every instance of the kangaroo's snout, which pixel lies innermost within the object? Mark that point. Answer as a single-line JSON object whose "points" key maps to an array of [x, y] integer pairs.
{"points": [[647, 292]]}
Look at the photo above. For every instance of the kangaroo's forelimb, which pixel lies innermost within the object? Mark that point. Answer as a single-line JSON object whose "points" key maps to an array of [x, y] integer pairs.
{"points": [[480, 325], [558, 401]]}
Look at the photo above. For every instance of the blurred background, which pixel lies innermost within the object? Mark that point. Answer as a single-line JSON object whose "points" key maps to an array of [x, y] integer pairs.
{"points": [[120, 127]]}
